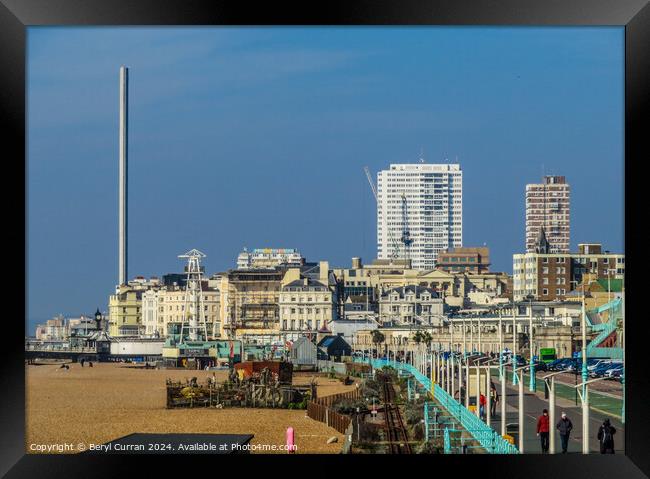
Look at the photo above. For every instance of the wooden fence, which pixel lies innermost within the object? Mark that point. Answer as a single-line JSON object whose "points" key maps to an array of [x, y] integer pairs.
{"points": [[331, 418], [319, 410], [329, 400]]}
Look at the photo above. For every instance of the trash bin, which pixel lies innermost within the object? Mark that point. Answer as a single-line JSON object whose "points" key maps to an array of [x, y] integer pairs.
{"points": [[512, 430]]}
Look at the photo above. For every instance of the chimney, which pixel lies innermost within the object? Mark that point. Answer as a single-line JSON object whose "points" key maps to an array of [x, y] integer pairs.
{"points": [[123, 173], [323, 276], [356, 263]]}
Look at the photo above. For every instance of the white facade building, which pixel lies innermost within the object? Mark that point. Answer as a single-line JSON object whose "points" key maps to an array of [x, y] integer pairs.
{"points": [[434, 201], [171, 310], [306, 305], [150, 308], [269, 257]]}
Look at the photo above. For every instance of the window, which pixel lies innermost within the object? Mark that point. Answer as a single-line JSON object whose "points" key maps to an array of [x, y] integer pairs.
{"points": [[545, 292]]}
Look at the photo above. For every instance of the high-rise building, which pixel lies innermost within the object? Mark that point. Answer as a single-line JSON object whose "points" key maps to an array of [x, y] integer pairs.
{"points": [[427, 201], [548, 207]]}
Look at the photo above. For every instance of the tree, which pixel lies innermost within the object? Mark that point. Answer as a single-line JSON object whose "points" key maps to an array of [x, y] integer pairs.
{"points": [[427, 338], [377, 338]]}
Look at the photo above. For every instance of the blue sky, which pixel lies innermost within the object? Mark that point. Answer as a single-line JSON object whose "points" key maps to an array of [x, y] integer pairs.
{"points": [[258, 136]]}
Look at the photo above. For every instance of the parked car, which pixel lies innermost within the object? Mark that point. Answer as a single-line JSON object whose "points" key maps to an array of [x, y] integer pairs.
{"points": [[609, 372], [520, 361], [570, 365], [594, 363], [541, 366], [600, 370], [556, 365], [615, 373]]}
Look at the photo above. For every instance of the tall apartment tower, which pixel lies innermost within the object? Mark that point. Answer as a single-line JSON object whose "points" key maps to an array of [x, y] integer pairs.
{"points": [[432, 195], [548, 207]]}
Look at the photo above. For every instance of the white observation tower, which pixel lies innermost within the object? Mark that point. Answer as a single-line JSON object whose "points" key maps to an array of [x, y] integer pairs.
{"points": [[193, 310]]}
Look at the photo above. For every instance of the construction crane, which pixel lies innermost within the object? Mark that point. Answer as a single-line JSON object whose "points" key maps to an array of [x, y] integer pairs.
{"points": [[393, 242], [406, 234]]}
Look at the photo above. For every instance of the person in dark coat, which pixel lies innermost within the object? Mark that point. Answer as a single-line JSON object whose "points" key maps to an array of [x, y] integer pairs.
{"points": [[494, 399], [543, 430], [564, 427], [606, 437]]}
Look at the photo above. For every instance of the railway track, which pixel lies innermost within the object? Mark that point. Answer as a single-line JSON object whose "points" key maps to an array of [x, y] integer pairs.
{"points": [[396, 434]]}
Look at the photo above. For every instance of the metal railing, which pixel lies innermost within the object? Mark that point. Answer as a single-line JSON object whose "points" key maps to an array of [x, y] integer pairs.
{"points": [[487, 437]]}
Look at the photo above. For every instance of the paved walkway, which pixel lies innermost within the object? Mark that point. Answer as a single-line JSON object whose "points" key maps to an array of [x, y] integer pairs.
{"points": [[604, 401], [534, 403]]}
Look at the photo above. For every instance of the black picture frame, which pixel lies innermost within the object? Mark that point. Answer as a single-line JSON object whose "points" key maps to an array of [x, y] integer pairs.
{"points": [[634, 15]]}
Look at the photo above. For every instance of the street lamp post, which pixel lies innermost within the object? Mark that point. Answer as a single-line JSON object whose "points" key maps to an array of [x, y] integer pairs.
{"points": [[460, 378], [464, 342], [549, 379], [583, 326], [447, 364], [488, 389], [451, 335], [521, 406], [503, 397], [623, 346], [478, 389], [532, 384], [500, 345], [467, 383], [584, 397], [471, 334], [514, 345], [453, 374]]}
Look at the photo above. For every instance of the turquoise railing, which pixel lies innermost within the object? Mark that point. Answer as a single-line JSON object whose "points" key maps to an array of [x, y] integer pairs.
{"points": [[487, 437], [447, 442]]}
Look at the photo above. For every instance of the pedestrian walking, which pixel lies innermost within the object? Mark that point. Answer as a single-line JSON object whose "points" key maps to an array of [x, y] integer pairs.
{"points": [[564, 427], [543, 430], [82, 362], [482, 400], [606, 437]]}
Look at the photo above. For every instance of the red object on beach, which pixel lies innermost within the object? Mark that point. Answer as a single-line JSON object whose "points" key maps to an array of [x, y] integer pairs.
{"points": [[291, 447]]}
